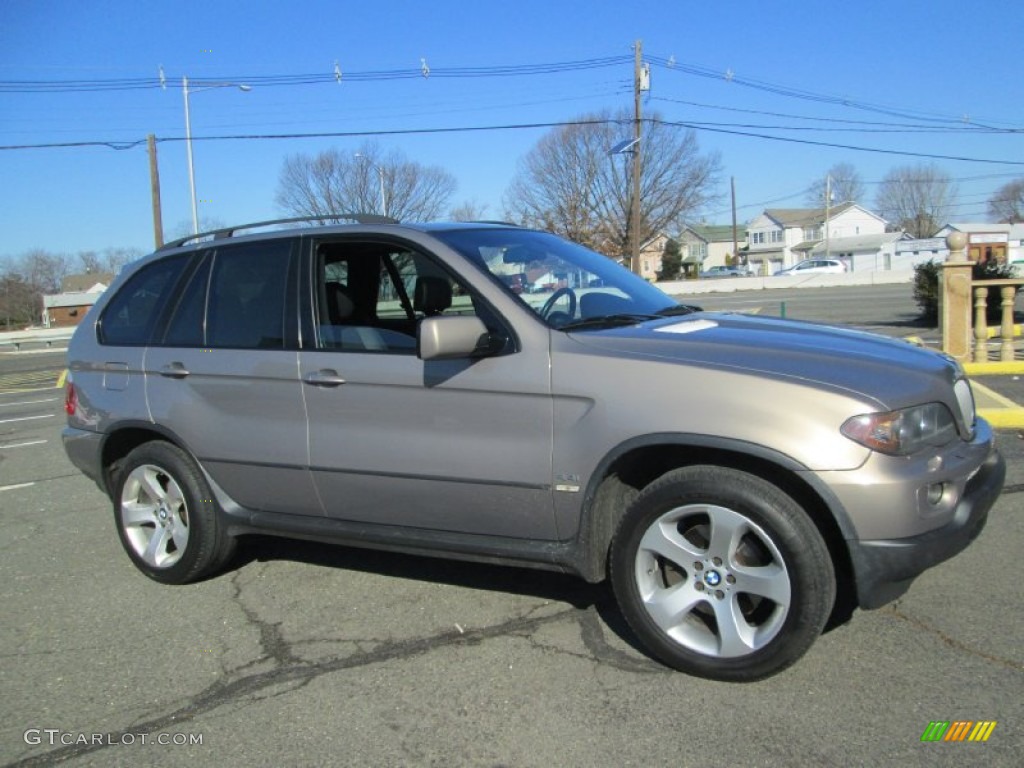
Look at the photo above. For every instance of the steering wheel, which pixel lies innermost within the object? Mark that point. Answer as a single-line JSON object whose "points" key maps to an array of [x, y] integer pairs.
{"points": [[546, 312]]}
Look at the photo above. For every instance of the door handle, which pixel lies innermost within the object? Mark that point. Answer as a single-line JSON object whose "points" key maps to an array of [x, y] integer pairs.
{"points": [[324, 378], [174, 370]]}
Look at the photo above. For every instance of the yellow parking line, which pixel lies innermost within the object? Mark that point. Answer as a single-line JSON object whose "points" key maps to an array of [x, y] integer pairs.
{"points": [[62, 379], [990, 393]]}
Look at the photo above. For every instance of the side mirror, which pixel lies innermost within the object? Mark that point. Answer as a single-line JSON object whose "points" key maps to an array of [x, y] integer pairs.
{"points": [[455, 336]]}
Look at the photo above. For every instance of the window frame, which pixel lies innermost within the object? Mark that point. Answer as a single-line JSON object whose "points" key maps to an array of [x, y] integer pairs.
{"points": [[155, 330], [310, 299]]}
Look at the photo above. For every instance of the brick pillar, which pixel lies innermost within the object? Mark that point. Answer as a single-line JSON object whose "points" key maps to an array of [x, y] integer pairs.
{"points": [[955, 299]]}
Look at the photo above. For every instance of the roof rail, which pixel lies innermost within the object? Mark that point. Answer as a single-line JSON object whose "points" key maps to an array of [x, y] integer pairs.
{"points": [[226, 232]]}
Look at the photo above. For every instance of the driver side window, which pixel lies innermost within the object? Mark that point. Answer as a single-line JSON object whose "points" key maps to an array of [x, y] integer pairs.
{"points": [[370, 297]]}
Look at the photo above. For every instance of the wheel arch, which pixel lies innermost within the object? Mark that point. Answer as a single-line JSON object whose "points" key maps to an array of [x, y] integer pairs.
{"points": [[636, 463], [123, 438]]}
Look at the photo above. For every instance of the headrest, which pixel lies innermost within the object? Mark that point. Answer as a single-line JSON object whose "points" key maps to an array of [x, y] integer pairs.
{"points": [[433, 295], [339, 302]]}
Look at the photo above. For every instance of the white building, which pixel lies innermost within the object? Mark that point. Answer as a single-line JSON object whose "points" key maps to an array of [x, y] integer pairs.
{"points": [[781, 237], [1002, 242]]}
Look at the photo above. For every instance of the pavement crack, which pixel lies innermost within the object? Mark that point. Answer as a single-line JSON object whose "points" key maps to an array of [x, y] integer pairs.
{"points": [[952, 642], [293, 674], [272, 641]]}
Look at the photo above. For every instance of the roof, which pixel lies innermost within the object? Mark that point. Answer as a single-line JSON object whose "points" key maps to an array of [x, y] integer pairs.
{"points": [[71, 299], [859, 242], [811, 217], [716, 233], [1013, 231], [87, 282]]}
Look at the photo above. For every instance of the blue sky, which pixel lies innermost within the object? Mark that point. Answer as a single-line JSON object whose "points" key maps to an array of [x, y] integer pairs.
{"points": [[926, 61]]}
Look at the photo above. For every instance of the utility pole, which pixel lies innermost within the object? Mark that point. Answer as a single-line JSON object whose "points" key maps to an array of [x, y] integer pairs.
{"points": [[735, 237], [154, 185], [634, 212], [828, 204]]}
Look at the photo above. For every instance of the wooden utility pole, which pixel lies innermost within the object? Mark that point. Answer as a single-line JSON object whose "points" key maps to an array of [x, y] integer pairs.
{"points": [[735, 235], [828, 208], [634, 208], [154, 185]]}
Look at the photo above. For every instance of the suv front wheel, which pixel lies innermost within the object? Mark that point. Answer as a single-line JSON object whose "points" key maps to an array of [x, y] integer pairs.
{"points": [[721, 574], [166, 515]]}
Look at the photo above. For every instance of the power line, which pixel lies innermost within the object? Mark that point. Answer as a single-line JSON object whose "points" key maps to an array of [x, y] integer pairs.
{"points": [[314, 78], [852, 147], [807, 95], [836, 120], [509, 127]]}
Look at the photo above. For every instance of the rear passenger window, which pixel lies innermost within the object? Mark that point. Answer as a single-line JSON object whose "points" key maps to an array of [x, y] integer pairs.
{"points": [[246, 297], [186, 326], [130, 317]]}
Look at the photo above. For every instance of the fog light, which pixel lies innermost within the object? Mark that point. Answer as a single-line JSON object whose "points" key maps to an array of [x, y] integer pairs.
{"points": [[935, 493]]}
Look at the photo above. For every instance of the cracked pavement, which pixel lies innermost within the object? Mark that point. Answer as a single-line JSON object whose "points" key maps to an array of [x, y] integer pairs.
{"points": [[310, 654]]}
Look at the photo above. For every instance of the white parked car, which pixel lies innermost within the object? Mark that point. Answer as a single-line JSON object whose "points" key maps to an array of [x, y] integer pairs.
{"points": [[814, 267]]}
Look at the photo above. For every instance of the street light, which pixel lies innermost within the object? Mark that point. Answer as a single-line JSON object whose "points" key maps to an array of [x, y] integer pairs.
{"points": [[380, 172], [188, 138]]}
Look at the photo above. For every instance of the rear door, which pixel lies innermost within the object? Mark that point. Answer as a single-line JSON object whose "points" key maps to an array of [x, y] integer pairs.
{"points": [[456, 445], [223, 375]]}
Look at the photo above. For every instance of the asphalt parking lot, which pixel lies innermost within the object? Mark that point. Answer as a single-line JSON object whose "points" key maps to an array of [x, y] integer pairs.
{"points": [[308, 654]]}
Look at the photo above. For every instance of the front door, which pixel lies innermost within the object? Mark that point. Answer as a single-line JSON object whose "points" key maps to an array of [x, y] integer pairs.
{"points": [[458, 445]]}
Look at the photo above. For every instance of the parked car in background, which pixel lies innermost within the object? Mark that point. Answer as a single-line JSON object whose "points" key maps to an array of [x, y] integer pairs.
{"points": [[740, 481], [814, 267], [724, 271]]}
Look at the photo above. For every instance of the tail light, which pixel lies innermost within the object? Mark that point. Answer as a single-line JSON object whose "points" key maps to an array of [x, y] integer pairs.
{"points": [[70, 398]]}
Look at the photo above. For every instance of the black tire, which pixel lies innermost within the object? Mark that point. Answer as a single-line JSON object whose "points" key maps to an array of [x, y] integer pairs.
{"points": [[743, 617], [166, 516]]}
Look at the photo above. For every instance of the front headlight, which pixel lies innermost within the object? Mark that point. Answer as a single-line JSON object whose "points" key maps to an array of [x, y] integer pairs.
{"points": [[901, 433]]}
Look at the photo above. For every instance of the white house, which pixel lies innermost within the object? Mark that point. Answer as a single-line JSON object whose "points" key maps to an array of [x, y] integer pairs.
{"points": [[781, 237]]}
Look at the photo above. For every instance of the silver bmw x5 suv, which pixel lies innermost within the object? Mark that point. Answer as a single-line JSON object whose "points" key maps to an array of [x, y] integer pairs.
{"points": [[492, 393]]}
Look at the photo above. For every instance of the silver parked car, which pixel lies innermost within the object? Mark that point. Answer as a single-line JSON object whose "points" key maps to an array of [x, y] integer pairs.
{"points": [[738, 480], [814, 267]]}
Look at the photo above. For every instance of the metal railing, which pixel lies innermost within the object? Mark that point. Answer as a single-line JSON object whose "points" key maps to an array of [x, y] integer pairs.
{"points": [[41, 336]]}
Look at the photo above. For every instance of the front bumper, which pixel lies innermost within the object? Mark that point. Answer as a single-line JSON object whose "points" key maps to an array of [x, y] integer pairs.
{"points": [[884, 568]]}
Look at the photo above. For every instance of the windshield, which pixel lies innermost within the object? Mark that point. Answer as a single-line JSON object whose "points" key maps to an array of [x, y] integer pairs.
{"points": [[567, 285]]}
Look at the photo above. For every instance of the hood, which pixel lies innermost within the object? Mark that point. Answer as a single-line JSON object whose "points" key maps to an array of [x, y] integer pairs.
{"points": [[891, 372]]}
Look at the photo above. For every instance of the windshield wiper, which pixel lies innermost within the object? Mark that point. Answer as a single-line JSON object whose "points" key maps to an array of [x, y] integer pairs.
{"points": [[608, 321], [679, 309]]}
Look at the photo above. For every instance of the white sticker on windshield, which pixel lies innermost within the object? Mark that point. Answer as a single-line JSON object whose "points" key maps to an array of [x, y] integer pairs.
{"points": [[687, 326]]}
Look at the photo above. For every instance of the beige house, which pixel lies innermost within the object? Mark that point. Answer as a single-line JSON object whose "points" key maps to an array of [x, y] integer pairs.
{"points": [[711, 245]]}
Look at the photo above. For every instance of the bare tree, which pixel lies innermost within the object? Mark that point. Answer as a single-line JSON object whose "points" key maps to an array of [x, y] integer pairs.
{"points": [[365, 181], [569, 184], [470, 210], [845, 183], [44, 271], [184, 227], [1007, 204], [916, 198]]}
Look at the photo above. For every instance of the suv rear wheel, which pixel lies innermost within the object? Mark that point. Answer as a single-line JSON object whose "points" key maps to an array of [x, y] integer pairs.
{"points": [[721, 574], [166, 515]]}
